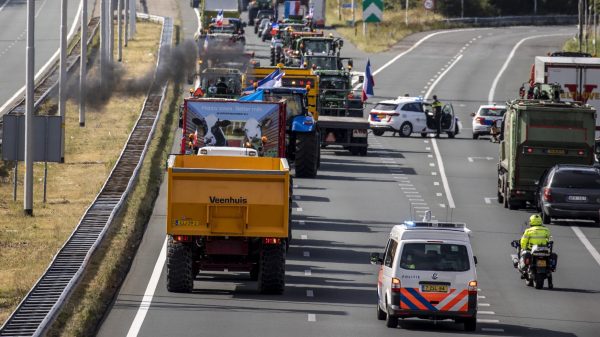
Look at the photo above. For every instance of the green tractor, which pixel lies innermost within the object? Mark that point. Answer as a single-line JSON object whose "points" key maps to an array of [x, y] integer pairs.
{"points": [[341, 116], [259, 5]]}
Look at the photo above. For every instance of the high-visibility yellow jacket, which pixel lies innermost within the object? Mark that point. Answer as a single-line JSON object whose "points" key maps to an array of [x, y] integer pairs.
{"points": [[535, 235]]}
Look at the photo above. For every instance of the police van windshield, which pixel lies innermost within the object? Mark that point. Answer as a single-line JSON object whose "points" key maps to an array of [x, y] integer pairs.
{"points": [[434, 257]]}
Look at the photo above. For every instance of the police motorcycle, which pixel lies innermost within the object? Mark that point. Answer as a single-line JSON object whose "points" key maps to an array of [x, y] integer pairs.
{"points": [[536, 265]]}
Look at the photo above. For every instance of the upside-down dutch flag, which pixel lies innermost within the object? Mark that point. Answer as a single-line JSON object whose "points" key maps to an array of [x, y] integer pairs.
{"points": [[291, 8], [368, 84], [270, 81], [220, 18]]}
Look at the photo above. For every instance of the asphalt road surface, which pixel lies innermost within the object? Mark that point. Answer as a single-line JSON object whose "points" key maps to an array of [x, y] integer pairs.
{"points": [[13, 39], [349, 209]]}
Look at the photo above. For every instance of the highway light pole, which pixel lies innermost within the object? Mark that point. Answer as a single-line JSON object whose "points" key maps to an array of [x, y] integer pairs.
{"points": [[120, 25], [406, 13], [83, 63], [102, 41], [62, 76], [126, 22], [28, 188]]}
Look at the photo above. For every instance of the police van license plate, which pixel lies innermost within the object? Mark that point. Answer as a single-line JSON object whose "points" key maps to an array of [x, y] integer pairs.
{"points": [[541, 263], [434, 288], [359, 133]]}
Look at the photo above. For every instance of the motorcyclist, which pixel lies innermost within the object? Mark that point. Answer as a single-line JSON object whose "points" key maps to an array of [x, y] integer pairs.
{"points": [[536, 234]]}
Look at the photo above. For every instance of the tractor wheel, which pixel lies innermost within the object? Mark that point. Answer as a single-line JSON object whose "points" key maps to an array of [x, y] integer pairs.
{"points": [[307, 154], [271, 269], [180, 278]]}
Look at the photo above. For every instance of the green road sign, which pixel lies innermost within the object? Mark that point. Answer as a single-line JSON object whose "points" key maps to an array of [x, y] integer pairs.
{"points": [[372, 10]]}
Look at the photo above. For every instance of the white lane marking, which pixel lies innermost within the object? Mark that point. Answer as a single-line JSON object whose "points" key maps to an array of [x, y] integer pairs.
{"points": [[418, 203], [411, 192], [434, 173], [428, 149], [295, 186], [480, 312], [310, 293], [439, 79], [489, 200], [492, 329], [481, 296], [421, 207], [429, 156], [483, 304], [413, 199], [510, 56], [436, 183], [470, 159], [479, 320], [306, 254], [303, 236], [418, 43], [312, 317], [586, 243], [136, 325], [302, 222], [408, 188], [307, 272], [296, 197], [443, 175], [443, 205], [426, 141], [299, 209], [438, 194], [4, 5], [405, 184], [432, 164]]}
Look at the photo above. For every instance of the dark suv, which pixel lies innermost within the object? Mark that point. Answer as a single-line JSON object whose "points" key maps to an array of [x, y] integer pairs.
{"points": [[569, 192]]}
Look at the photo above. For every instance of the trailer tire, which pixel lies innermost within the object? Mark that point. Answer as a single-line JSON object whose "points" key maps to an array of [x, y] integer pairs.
{"points": [[271, 269], [307, 154], [180, 278]]}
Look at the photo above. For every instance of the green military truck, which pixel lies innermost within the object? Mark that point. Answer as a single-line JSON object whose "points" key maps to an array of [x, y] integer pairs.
{"points": [[536, 135]]}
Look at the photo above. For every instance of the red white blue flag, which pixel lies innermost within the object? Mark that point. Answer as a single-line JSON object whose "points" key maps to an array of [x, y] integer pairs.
{"points": [[291, 8], [220, 18], [368, 83]]}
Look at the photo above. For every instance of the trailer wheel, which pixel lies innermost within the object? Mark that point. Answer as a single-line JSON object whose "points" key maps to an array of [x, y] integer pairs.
{"points": [[271, 269], [180, 278], [307, 154]]}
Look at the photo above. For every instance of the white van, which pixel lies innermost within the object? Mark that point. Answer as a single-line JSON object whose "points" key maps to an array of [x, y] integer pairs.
{"points": [[427, 271]]}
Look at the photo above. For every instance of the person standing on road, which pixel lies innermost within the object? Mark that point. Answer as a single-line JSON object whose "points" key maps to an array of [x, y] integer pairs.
{"points": [[437, 110]]}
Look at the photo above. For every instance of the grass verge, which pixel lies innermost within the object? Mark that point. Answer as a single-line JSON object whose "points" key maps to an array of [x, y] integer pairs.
{"points": [[28, 244], [572, 44], [381, 36], [84, 311]]}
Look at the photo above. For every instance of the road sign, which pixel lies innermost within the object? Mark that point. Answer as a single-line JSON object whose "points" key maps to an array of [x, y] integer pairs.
{"points": [[47, 138], [372, 10], [429, 4]]}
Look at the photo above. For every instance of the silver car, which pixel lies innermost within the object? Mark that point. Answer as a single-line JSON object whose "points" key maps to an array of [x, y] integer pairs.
{"points": [[485, 117]]}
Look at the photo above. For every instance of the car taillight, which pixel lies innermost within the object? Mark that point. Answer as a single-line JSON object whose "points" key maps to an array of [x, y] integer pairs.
{"points": [[580, 152], [396, 285], [480, 120], [547, 194], [472, 288], [182, 238]]}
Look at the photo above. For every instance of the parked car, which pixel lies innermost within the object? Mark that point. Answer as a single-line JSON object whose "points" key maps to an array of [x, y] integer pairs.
{"points": [[408, 115], [485, 117], [569, 191]]}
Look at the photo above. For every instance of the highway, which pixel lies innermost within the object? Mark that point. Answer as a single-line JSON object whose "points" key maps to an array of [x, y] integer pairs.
{"points": [[13, 39], [349, 209]]}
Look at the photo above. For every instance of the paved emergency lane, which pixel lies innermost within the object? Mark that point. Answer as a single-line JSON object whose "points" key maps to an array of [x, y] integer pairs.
{"points": [[348, 211], [13, 25]]}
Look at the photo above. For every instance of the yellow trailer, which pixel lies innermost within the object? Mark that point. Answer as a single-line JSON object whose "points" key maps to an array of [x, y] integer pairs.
{"points": [[228, 213], [294, 77]]}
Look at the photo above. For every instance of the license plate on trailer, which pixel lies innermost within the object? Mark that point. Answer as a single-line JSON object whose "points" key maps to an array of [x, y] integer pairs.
{"points": [[434, 288], [359, 133], [556, 151], [577, 198], [541, 263]]}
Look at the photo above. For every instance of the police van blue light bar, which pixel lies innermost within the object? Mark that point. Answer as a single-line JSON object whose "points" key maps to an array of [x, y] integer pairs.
{"points": [[434, 224]]}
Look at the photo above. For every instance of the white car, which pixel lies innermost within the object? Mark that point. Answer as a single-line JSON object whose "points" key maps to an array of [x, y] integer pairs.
{"points": [[485, 117], [408, 115], [427, 271]]}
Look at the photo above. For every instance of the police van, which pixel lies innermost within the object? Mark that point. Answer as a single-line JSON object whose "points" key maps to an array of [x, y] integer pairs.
{"points": [[427, 271]]}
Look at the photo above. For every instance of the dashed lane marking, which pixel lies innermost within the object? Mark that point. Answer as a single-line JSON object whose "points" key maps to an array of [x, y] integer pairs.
{"points": [[306, 254], [482, 312], [489, 200], [481, 320], [299, 209], [438, 194], [302, 222], [428, 148], [429, 156], [307, 272], [483, 304], [408, 188], [443, 205], [434, 173], [312, 317], [481, 296], [436, 183], [303, 236], [296, 197], [310, 293], [418, 203]]}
